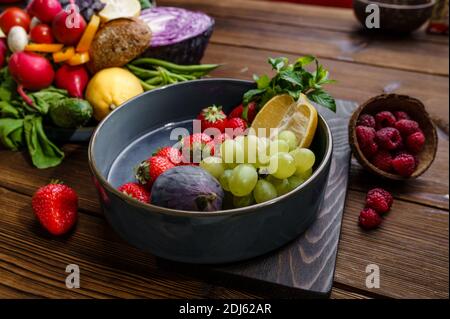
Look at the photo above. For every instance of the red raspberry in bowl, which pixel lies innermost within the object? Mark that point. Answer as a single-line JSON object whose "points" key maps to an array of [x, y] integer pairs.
{"points": [[400, 115], [383, 161], [415, 142], [389, 138], [366, 140], [385, 119], [404, 164], [407, 127], [366, 120], [379, 199], [369, 218]]}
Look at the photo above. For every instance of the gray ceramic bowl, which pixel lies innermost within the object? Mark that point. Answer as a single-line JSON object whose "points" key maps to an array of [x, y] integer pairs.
{"points": [[132, 132], [397, 16]]}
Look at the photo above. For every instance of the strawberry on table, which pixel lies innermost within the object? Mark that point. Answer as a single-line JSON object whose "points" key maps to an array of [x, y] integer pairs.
{"points": [[149, 170], [55, 206], [213, 117], [135, 190], [249, 116]]}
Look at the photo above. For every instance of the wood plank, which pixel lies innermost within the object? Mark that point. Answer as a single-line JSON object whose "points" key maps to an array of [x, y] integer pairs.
{"points": [[401, 53], [337, 19], [354, 82], [32, 264], [411, 249]]}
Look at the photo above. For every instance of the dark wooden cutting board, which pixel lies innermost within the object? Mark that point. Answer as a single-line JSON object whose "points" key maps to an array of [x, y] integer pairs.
{"points": [[305, 266]]}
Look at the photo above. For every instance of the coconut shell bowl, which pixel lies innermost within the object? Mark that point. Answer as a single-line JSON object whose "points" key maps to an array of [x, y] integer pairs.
{"points": [[417, 112]]}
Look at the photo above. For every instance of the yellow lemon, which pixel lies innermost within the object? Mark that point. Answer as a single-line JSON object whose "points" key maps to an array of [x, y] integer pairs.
{"points": [[283, 113], [110, 88]]}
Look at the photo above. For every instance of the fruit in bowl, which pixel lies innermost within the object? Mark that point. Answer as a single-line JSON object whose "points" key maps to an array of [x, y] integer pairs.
{"points": [[264, 213]]}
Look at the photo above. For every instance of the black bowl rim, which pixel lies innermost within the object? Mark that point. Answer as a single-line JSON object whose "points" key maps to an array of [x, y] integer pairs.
{"points": [[399, 6], [177, 212]]}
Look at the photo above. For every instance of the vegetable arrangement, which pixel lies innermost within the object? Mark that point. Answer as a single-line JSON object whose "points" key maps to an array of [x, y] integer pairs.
{"points": [[72, 64]]}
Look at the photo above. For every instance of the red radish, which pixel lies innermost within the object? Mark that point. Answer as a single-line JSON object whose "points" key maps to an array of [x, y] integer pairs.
{"points": [[3, 50], [68, 26], [31, 71], [41, 33], [44, 10], [74, 79]]}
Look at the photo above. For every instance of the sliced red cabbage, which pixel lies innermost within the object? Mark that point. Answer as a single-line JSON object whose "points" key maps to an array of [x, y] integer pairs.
{"points": [[173, 25], [178, 35]]}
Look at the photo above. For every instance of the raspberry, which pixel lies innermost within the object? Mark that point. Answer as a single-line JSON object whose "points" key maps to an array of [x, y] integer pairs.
{"points": [[407, 127], [369, 219], [366, 140], [415, 142], [379, 199], [383, 161], [366, 120], [385, 119], [400, 115], [404, 164], [389, 138]]}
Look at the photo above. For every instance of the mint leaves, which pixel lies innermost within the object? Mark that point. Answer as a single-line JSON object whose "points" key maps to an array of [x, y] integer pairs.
{"points": [[292, 79]]}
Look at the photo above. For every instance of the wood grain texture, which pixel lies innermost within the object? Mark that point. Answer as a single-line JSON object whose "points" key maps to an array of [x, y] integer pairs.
{"points": [[297, 15], [401, 53]]}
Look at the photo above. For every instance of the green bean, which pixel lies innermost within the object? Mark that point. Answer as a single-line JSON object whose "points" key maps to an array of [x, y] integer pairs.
{"points": [[176, 67], [154, 81], [147, 87], [178, 77], [142, 73]]}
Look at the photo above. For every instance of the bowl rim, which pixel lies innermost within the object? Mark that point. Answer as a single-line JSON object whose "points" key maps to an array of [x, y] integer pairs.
{"points": [[219, 213], [399, 6]]}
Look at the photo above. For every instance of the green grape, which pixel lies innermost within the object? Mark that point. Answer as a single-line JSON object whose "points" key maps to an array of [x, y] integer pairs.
{"points": [[278, 146], [243, 180], [290, 138], [213, 165], [304, 175], [232, 152], [243, 201], [281, 165], [224, 179], [250, 145], [281, 185], [294, 181], [304, 159], [263, 154], [264, 191]]}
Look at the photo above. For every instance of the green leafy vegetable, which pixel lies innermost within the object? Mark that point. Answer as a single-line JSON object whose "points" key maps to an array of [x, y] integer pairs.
{"points": [[292, 79], [145, 4], [21, 124], [43, 152]]}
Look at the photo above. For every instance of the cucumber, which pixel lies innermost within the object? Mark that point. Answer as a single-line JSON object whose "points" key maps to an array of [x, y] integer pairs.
{"points": [[71, 113]]}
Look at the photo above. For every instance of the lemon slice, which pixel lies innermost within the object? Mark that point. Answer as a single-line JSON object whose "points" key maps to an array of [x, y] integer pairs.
{"points": [[116, 9], [283, 113]]}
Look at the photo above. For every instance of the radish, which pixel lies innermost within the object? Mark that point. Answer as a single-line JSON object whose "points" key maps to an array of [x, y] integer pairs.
{"points": [[44, 10], [3, 51], [17, 39], [31, 71]]}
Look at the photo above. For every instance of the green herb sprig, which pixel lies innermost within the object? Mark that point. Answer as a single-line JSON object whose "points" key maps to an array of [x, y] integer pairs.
{"points": [[292, 79]]}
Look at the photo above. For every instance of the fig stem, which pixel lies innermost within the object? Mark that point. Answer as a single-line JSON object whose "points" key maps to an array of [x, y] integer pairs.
{"points": [[203, 201]]}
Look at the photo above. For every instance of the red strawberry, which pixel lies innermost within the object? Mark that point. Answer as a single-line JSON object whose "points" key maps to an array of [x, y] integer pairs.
{"points": [[149, 170], [239, 112], [215, 143], [213, 117], [172, 153], [55, 206], [238, 125], [136, 191], [193, 146]]}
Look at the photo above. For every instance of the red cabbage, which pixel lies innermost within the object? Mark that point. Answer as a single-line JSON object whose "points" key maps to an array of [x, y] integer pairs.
{"points": [[178, 35]]}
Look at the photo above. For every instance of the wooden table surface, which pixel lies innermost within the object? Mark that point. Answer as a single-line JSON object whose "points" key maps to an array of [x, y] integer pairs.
{"points": [[411, 248]]}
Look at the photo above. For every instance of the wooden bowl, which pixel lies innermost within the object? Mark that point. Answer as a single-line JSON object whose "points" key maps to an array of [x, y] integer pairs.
{"points": [[417, 112], [396, 16]]}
